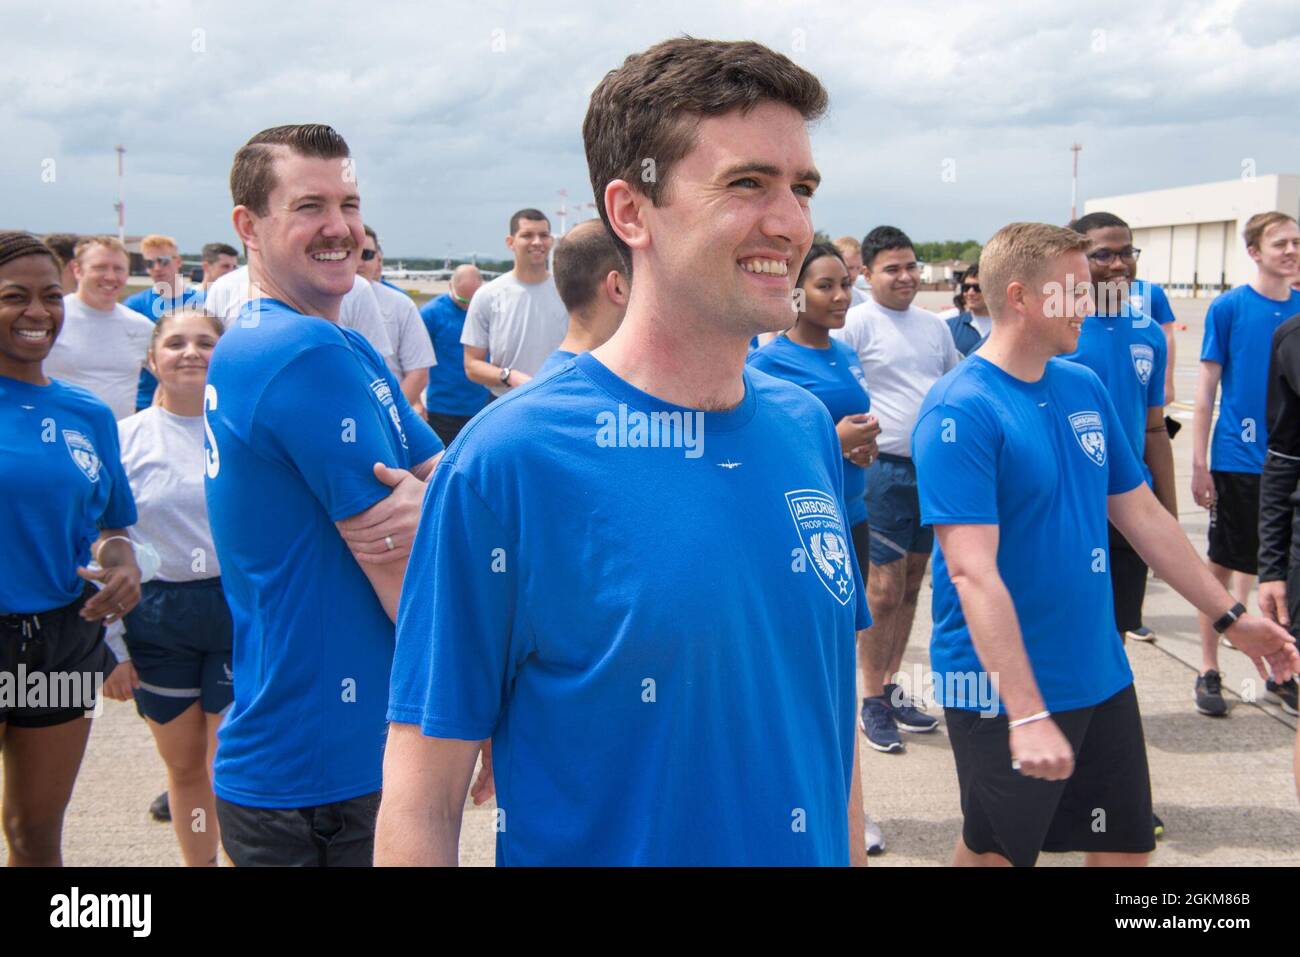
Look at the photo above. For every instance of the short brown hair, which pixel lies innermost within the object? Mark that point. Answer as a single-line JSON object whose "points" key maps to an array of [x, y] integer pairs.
{"points": [[1258, 224], [649, 108], [848, 246], [63, 244], [110, 242], [583, 258], [252, 175], [1019, 252], [184, 312]]}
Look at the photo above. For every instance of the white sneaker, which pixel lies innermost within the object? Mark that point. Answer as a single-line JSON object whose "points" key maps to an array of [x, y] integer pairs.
{"points": [[875, 837]]}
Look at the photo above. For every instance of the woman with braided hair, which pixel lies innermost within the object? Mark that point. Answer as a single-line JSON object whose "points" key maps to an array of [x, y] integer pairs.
{"points": [[63, 501]]}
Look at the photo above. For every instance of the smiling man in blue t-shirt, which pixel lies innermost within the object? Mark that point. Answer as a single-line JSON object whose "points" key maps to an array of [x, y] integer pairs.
{"points": [[307, 429], [1021, 459], [1235, 352], [634, 575]]}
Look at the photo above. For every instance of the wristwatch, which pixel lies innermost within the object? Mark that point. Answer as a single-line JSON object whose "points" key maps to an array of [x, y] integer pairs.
{"points": [[1229, 618], [505, 375]]}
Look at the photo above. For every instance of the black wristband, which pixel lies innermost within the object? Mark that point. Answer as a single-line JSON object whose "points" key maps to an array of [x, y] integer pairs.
{"points": [[1229, 618]]}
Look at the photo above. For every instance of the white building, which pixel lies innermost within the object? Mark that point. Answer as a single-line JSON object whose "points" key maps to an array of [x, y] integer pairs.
{"points": [[1190, 236]]}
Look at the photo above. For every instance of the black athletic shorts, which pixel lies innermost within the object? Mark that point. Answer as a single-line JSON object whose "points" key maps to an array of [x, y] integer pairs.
{"points": [[1128, 582], [68, 650], [1234, 522], [1105, 806], [861, 534], [447, 426], [341, 834]]}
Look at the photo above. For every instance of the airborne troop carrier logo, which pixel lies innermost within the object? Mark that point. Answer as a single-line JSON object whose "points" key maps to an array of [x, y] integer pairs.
{"points": [[1144, 360], [1092, 438], [817, 518], [83, 453]]}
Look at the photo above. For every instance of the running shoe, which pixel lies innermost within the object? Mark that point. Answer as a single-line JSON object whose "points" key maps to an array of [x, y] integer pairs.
{"points": [[907, 716], [1157, 825], [1141, 634], [160, 810], [878, 725], [1209, 694], [875, 838], [1283, 694]]}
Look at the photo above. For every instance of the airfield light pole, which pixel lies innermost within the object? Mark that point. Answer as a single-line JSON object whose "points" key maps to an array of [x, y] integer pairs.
{"points": [[1074, 183], [120, 205]]}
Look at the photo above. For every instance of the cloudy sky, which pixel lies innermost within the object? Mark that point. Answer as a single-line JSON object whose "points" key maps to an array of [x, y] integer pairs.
{"points": [[947, 119]]}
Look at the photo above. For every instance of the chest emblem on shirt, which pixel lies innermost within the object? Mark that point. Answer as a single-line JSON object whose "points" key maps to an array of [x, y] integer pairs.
{"points": [[83, 454], [385, 396], [1144, 360], [1090, 435], [817, 519], [857, 374]]}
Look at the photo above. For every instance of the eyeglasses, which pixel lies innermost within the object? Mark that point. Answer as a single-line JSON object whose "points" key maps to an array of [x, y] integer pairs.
{"points": [[160, 261], [1104, 257], [369, 254], [974, 287]]}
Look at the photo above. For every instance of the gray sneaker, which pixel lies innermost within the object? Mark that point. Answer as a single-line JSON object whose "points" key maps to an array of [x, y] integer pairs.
{"points": [[875, 837], [1209, 694], [907, 716]]}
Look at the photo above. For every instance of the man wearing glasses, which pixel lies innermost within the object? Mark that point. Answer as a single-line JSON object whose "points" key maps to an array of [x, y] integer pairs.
{"points": [[972, 325], [412, 348], [1239, 330], [168, 292]]}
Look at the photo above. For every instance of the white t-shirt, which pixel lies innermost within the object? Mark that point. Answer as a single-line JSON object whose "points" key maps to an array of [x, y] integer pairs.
{"points": [[102, 352], [902, 354], [405, 330], [163, 457], [857, 296], [359, 309], [520, 324]]}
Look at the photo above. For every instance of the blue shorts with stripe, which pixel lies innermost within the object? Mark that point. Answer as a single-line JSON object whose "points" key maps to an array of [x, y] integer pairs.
{"points": [[894, 506], [179, 637]]}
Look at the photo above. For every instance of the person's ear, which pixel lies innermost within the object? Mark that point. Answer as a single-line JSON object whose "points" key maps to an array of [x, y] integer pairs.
{"points": [[246, 222], [617, 288], [625, 209]]}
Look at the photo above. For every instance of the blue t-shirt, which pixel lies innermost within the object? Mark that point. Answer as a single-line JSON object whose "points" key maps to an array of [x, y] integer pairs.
{"points": [[61, 481], [1239, 331], [1129, 354], [1037, 459], [450, 391], [556, 359], [835, 377], [153, 307], [297, 411], [1147, 297], [652, 613]]}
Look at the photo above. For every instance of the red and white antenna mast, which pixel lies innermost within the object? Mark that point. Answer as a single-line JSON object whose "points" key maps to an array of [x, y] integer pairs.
{"points": [[120, 205], [1074, 183]]}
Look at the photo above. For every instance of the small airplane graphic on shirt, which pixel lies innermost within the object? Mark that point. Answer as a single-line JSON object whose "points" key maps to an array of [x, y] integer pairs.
{"points": [[730, 464]]}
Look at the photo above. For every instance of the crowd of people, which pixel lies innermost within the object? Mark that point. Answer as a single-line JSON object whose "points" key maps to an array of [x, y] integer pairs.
{"points": [[625, 527]]}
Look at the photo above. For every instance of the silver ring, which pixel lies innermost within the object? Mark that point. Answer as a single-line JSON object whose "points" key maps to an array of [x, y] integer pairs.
{"points": [[388, 540], [1015, 765]]}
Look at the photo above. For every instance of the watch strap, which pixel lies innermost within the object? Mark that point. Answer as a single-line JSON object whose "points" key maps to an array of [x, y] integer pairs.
{"points": [[1229, 618]]}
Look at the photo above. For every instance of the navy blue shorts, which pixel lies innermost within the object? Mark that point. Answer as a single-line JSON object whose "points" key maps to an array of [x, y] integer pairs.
{"points": [[895, 510], [179, 637]]}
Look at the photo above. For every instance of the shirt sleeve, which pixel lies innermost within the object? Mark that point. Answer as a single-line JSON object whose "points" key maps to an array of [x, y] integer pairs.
{"points": [[1214, 344], [1124, 472], [956, 453], [1159, 305], [414, 348], [119, 511], [460, 635], [478, 320], [319, 417], [360, 311]]}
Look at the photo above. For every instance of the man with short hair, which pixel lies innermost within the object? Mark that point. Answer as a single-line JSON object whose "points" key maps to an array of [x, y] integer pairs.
{"points": [[696, 705], [218, 259], [451, 399], [167, 293], [1239, 329], [412, 349], [1126, 350], [309, 441], [65, 247], [850, 251], [903, 351], [516, 319], [593, 284], [1022, 459], [103, 343]]}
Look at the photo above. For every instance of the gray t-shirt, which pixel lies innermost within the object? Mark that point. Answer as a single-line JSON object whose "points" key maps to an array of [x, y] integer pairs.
{"points": [[405, 330], [102, 351], [164, 461], [520, 324]]}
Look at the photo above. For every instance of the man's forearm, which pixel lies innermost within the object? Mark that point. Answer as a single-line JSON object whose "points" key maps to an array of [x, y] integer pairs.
{"points": [[413, 837], [482, 372], [995, 632], [1170, 350], [1159, 456], [413, 384]]}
